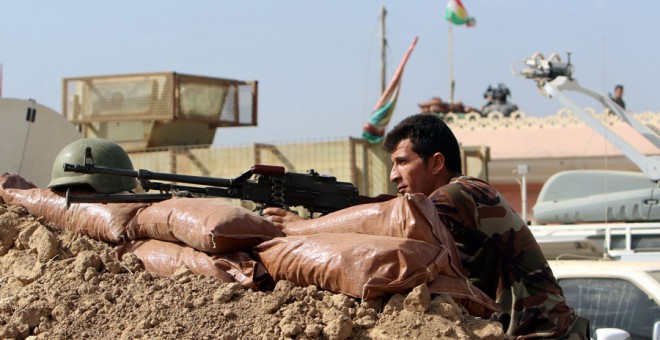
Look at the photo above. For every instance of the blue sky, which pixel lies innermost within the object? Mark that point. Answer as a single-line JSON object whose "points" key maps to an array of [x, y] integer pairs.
{"points": [[318, 62]]}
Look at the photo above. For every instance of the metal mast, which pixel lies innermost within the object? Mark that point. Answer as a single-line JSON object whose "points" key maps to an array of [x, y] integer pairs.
{"points": [[383, 50]]}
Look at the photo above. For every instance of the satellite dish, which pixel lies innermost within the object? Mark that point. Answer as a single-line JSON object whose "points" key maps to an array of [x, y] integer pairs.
{"points": [[33, 135]]}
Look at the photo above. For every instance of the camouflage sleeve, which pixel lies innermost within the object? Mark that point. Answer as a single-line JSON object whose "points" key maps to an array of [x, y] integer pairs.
{"points": [[503, 258]]}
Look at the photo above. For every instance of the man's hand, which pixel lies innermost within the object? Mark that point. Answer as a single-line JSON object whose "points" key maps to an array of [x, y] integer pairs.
{"points": [[280, 217]]}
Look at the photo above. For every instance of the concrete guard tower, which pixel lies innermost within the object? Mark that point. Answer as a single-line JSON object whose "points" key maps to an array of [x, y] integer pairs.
{"points": [[141, 111]]}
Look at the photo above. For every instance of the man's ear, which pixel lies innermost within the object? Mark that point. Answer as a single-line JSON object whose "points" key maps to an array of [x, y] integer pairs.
{"points": [[437, 162]]}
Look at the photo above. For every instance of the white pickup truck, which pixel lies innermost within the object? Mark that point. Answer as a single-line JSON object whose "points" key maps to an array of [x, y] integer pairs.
{"points": [[613, 294], [610, 274]]}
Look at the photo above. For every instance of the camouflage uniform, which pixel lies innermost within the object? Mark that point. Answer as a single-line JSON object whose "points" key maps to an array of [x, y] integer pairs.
{"points": [[502, 258]]}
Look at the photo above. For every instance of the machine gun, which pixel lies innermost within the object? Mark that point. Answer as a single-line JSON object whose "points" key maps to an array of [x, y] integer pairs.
{"points": [[271, 186]]}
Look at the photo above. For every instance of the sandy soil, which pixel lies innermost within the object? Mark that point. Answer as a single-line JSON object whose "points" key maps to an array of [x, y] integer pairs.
{"points": [[58, 285]]}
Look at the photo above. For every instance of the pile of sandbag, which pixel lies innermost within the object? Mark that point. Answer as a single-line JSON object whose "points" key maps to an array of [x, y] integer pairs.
{"points": [[365, 251], [208, 236], [370, 250]]}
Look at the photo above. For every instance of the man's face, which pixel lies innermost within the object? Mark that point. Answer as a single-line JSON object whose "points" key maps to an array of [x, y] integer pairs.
{"points": [[409, 172], [618, 92]]}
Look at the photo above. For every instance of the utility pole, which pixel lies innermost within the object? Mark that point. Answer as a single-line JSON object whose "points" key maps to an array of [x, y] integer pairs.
{"points": [[523, 170], [383, 51], [451, 66]]}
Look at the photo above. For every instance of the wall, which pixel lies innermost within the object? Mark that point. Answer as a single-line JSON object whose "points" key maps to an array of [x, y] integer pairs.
{"points": [[349, 160]]}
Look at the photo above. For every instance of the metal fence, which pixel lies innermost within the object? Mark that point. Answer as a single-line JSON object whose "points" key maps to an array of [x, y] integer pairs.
{"points": [[349, 160]]}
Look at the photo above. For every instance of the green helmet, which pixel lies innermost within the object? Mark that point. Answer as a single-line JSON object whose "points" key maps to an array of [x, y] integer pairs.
{"points": [[106, 154]]}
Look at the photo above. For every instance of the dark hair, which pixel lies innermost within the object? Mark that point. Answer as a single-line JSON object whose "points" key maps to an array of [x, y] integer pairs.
{"points": [[618, 86], [428, 135]]}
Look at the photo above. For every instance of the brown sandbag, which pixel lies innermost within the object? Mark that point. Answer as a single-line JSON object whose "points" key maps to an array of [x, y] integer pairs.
{"points": [[358, 265], [14, 181], [364, 266], [212, 225], [164, 258], [410, 216], [15, 189], [105, 222]]}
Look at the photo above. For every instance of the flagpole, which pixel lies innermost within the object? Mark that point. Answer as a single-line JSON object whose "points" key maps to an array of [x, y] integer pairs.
{"points": [[383, 51], [451, 66], [456, 14]]}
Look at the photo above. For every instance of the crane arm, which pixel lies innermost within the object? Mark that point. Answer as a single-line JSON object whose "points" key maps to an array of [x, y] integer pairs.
{"points": [[553, 77]]}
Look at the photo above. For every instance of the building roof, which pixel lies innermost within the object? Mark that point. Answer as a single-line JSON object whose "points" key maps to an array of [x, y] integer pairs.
{"points": [[553, 143]]}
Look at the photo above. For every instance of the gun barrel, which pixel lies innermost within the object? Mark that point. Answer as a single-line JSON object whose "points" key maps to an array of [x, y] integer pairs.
{"points": [[200, 180], [147, 175]]}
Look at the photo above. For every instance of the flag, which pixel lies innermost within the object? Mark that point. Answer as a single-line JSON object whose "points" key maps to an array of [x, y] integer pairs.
{"points": [[457, 14], [374, 130]]}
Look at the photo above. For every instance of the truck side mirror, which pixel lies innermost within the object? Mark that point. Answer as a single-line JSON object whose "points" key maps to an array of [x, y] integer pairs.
{"points": [[611, 334]]}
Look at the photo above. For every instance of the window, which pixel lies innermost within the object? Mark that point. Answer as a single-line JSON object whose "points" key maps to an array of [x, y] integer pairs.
{"points": [[655, 275], [612, 303]]}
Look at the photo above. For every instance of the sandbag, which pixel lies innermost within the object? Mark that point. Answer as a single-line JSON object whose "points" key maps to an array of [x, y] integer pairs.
{"points": [[368, 266], [39, 202], [410, 216], [14, 181], [212, 225], [363, 266], [105, 222], [15, 189], [164, 258]]}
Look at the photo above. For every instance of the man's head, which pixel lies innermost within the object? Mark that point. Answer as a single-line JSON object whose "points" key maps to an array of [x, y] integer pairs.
{"points": [[425, 154], [497, 92], [618, 91]]}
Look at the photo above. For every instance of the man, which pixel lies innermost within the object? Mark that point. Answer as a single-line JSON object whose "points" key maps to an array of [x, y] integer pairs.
{"points": [[497, 248], [618, 96], [496, 101]]}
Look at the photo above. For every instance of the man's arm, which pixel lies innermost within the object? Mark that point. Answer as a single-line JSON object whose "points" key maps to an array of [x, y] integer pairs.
{"points": [[281, 217]]}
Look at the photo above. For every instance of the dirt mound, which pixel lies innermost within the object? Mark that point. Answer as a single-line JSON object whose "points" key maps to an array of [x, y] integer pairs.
{"points": [[60, 285]]}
